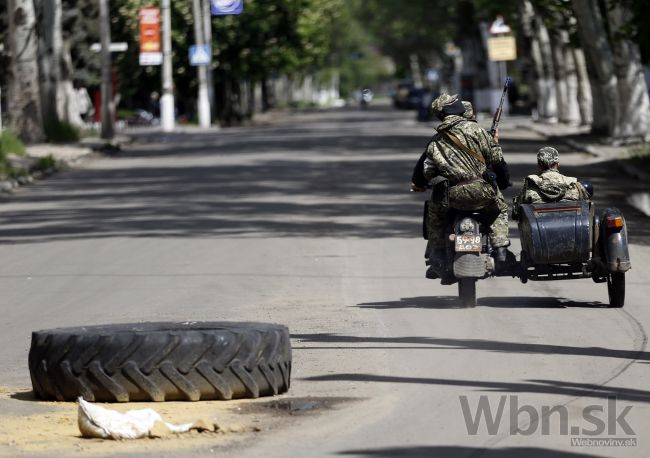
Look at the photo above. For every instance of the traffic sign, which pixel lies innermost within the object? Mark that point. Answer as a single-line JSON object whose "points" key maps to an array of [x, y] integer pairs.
{"points": [[499, 27], [151, 58], [200, 55], [225, 7], [113, 47], [502, 48]]}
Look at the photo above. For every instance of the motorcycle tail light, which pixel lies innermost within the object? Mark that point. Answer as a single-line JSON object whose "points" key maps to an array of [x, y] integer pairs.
{"points": [[614, 222]]}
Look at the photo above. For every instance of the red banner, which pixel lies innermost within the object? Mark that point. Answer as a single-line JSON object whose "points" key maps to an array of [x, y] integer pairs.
{"points": [[150, 29]]}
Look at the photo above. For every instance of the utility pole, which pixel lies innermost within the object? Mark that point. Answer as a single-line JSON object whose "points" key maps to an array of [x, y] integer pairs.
{"points": [[167, 120], [203, 101], [207, 33], [107, 93]]}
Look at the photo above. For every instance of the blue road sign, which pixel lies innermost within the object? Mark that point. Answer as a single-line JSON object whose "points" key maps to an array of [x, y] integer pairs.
{"points": [[224, 7], [200, 55]]}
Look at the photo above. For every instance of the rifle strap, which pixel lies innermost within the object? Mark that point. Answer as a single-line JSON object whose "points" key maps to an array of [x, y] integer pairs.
{"points": [[464, 147]]}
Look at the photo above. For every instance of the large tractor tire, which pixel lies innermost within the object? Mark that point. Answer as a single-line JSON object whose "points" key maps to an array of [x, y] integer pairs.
{"points": [[161, 362]]}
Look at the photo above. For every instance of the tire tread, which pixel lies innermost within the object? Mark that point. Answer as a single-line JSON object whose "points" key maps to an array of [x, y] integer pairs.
{"points": [[158, 365]]}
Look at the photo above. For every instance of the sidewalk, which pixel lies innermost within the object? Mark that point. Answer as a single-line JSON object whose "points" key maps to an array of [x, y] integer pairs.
{"points": [[44, 159], [580, 139]]}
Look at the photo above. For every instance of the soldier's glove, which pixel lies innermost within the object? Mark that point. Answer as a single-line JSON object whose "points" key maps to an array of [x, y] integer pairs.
{"points": [[416, 188], [503, 174]]}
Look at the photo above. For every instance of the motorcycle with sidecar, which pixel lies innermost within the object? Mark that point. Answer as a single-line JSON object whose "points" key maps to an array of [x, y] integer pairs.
{"points": [[559, 241]]}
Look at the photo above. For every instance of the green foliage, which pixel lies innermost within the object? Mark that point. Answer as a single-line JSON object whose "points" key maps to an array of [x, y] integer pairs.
{"points": [[10, 144], [45, 163], [640, 153], [269, 38], [62, 132], [416, 27]]}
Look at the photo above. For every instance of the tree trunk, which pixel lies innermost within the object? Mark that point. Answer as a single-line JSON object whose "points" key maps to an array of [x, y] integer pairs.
{"points": [[565, 74], [108, 107], [584, 87], [57, 94], [24, 105], [599, 56], [557, 45], [49, 50], [572, 113], [526, 15], [634, 120], [541, 55], [267, 98], [548, 83], [69, 112]]}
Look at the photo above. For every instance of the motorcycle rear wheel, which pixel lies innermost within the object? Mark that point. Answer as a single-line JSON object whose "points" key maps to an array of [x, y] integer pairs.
{"points": [[467, 291], [616, 289]]}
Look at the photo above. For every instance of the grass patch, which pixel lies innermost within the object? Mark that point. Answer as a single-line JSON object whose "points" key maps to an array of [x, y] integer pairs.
{"points": [[62, 132], [44, 164], [639, 157], [10, 144], [641, 153]]}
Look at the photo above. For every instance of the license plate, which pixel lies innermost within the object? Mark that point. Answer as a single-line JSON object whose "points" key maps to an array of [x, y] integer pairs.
{"points": [[468, 243]]}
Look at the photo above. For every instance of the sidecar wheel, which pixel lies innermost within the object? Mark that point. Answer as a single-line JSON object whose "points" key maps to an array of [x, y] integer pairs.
{"points": [[616, 289], [467, 291]]}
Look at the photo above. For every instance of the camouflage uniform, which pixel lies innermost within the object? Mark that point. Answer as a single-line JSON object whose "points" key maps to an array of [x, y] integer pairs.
{"points": [[468, 190], [549, 185], [469, 111]]}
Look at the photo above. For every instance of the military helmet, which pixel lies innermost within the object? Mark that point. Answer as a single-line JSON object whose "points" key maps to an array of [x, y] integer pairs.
{"points": [[547, 157], [447, 104]]}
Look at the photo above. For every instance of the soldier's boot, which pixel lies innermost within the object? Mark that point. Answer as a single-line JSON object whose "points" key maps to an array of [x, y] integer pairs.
{"points": [[505, 259], [436, 263]]}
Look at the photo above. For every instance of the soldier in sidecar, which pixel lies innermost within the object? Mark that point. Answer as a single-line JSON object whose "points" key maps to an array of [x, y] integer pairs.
{"points": [[563, 238]]}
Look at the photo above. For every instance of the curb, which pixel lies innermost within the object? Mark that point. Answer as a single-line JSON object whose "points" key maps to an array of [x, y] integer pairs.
{"points": [[25, 163]]}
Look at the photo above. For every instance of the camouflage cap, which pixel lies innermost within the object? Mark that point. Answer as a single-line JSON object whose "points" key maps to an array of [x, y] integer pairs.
{"points": [[469, 110], [442, 101], [547, 156]]}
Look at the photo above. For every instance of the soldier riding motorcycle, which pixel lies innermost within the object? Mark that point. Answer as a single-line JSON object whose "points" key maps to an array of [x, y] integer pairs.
{"points": [[466, 167]]}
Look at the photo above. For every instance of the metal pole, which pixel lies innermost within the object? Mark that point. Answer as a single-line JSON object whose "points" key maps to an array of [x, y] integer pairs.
{"points": [[0, 109], [107, 91], [202, 102], [207, 33], [167, 121]]}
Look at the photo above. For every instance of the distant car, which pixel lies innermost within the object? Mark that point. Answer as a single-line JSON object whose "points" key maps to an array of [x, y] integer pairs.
{"points": [[401, 96], [424, 107]]}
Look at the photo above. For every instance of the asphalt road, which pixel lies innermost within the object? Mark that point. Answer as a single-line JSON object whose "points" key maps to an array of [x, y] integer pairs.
{"points": [[308, 222]]}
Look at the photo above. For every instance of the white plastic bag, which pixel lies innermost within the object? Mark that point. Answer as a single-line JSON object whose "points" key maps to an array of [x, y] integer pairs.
{"points": [[96, 421]]}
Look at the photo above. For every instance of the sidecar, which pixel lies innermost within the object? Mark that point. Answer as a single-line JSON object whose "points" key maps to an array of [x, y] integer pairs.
{"points": [[568, 240]]}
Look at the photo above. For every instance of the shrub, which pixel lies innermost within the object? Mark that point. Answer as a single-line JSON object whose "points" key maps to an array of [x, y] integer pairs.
{"points": [[62, 132], [44, 163], [9, 143], [640, 152]]}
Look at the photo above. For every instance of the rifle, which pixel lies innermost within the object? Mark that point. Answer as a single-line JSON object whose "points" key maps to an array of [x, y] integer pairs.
{"points": [[497, 114]]}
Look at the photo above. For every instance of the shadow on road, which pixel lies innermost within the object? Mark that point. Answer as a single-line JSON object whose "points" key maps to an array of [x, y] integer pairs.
{"points": [[446, 451], [442, 451], [441, 343], [554, 387], [452, 302], [343, 175]]}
